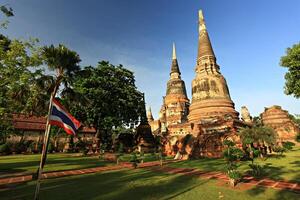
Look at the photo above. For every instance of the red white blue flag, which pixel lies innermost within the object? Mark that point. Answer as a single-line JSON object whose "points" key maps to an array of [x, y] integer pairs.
{"points": [[61, 118]]}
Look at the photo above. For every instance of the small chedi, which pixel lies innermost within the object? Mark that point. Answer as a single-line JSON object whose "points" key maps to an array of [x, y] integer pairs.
{"points": [[278, 119], [144, 137], [197, 129]]}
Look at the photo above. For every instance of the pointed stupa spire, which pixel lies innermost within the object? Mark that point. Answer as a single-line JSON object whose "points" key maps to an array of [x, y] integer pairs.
{"points": [[175, 84], [204, 46], [149, 114], [174, 52], [201, 20], [174, 66]]}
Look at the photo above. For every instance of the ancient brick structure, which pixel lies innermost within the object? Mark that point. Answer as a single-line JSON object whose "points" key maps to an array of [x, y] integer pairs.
{"points": [[175, 104], [210, 94], [198, 129], [278, 119], [144, 137]]}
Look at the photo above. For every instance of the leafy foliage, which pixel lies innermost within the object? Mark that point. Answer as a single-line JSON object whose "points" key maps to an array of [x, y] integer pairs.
{"points": [[256, 170], [292, 61], [105, 97], [8, 12], [258, 134], [21, 81], [62, 60], [232, 155], [297, 137], [279, 150], [134, 160], [288, 145]]}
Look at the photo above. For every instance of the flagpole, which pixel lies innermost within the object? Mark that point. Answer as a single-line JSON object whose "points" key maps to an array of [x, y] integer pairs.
{"points": [[45, 147]]}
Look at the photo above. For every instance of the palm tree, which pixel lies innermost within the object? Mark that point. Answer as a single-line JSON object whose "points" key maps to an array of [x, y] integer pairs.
{"points": [[63, 61]]}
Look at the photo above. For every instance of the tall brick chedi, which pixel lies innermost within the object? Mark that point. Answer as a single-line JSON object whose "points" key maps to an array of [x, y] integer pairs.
{"points": [[175, 104], [210, 94]]}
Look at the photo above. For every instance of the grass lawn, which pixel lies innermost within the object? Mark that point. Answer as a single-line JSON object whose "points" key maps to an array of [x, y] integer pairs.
{"points": [[139, 184], [286, 167], [57, 162]]}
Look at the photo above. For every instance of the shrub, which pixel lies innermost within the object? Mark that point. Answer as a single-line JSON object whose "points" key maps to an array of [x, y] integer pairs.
{"points": [[256, 170], [51, 147], [234, 175], [134, 160], [5, 149], [233, 154], [80, 146], [297, 138], [288, 145], [279, 150], [142, 156], [120, 152], [19, 147]]}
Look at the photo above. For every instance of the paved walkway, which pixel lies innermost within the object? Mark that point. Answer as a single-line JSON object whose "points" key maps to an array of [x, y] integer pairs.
{"points": [[154, 166]]}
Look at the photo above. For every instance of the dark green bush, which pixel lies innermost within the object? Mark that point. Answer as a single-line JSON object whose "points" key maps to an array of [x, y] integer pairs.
{"points": [[233, 154], [134, 160], [297, 137], [234, 175], [51, 147], [256, 170], [81, 146], [5, 149], [279, 150], [288, 145]]}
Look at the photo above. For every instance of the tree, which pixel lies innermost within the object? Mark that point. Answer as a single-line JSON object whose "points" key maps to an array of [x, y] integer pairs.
{"points": [[292, 61], [19, 70], [63, 61], [105, 97], [260, 135], [232, 155], [8, 12]]}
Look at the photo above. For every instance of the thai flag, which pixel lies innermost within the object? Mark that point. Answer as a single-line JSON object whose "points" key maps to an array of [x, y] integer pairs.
{"points": [[61, 118]]}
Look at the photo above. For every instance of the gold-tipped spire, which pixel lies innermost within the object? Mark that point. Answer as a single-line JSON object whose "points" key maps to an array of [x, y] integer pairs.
{"points": [[174, 52], [202, 25]]}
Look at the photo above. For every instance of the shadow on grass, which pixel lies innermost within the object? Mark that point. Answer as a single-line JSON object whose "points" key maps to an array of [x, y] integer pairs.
{"points": [[30, 165], [203, 164], [126, 184]]}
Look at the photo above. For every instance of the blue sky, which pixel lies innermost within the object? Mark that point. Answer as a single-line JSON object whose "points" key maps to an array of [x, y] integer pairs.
{"points": [[248, 38]]}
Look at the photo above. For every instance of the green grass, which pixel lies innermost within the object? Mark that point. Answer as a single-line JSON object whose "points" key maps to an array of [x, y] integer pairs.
{"points": [[148, 157], [286, 167], [55, 162], [139, 184]]}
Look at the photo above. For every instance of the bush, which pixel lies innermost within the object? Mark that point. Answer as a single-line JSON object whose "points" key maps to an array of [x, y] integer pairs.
{"points": [[297, 137], [5, 149], [134, 160], [80, 146], [19, 147], [256, 170], [233, 154], [288, 145], [279, 150], [51, 147], [234, 175]]}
